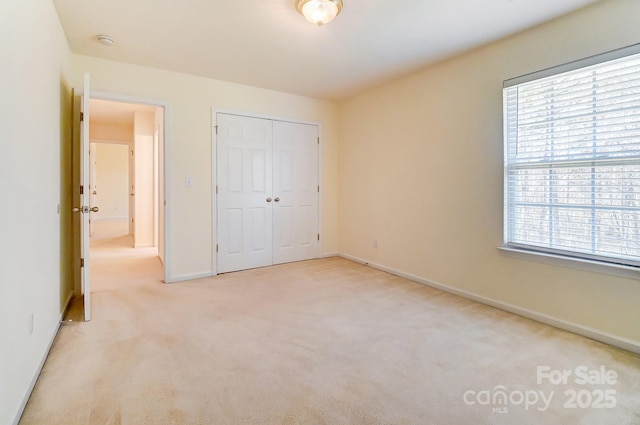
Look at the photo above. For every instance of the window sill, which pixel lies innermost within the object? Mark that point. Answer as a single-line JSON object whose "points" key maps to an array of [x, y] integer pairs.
{"points": [[571, 262]]}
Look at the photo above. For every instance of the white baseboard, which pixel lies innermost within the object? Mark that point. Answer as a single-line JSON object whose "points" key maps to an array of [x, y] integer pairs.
{"points": [[34, 380], [329, 255], [605, 337], [185, 277], [144, 245]]}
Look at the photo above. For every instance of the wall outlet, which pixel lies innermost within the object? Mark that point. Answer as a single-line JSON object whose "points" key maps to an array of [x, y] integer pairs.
{"points": [[30, 324], [188, 183]]}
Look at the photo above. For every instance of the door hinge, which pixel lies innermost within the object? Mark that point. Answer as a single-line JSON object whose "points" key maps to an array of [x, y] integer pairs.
{"points": [[82, 262], [216, 127], [81, 190], [217, 248], [318, 236], [81, 116], [318, 139], [318, 188], [216, 188]]}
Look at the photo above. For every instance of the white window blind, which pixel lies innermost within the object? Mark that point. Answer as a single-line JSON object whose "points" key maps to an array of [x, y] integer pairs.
{"points": [[572, 160]]}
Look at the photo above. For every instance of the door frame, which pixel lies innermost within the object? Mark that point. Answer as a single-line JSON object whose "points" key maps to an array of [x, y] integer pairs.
{"points": [[214, 170], [124, 98]]}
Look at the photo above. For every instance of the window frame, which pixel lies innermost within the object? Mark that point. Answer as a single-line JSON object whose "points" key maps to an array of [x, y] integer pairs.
{"points": [[610, 265]]}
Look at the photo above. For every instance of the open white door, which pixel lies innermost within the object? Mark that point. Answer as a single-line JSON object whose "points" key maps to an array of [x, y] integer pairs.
{"points": [[93, 183], [85, 209]]}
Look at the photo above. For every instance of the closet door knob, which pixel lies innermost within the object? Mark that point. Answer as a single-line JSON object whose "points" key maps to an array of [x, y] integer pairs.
{"points": [[277, 199], [268, 199]]}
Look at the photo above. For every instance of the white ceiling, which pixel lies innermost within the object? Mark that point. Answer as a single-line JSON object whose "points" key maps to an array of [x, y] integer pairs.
{"points": [[266, 43]]}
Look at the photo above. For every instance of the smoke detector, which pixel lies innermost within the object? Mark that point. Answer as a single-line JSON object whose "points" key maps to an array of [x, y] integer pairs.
{"points": [[106, 40]]}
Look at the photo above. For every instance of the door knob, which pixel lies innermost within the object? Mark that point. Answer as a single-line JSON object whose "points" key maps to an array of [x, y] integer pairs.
{"points": [[85, 210], [268, 199], [95, 193], [277, 199]]}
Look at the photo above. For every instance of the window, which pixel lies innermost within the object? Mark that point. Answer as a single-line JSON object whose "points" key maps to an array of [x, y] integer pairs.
{"points": [[572, 159]]}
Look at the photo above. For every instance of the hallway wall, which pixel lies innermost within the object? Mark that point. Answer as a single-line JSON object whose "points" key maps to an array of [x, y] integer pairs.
{"points": [[35, 218], [145, 169]]}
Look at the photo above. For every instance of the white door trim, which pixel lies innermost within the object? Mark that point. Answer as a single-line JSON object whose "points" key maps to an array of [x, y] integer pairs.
{"points": [[214, 170], [116, 97]]}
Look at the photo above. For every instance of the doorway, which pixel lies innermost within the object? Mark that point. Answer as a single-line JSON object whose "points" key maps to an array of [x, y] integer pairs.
{"points": [[110, 177], [126, 174], [139, 124]]}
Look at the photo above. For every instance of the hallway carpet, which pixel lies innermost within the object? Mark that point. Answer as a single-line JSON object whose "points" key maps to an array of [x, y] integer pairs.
{"points": [[318, 342]]}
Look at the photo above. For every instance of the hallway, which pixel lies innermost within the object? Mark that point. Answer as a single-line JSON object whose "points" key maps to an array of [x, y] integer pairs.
{"points": [[115, 265]]}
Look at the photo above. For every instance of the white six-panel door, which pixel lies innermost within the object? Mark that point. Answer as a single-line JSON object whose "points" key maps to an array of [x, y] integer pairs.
{"points": [[267, 192]]}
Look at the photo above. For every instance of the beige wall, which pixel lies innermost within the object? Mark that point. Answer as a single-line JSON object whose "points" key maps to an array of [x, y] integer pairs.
{"points": [[421, 172], [35, 154], [189, 153], [106, 131], [144, 179]]}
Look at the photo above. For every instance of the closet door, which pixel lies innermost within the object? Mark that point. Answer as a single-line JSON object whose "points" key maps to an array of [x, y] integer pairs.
{"points": [[244, 184], [295, 191]]}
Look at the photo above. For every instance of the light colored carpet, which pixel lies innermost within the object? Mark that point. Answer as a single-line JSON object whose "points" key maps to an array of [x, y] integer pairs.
{"points": [[110, 229], [318, 342]]}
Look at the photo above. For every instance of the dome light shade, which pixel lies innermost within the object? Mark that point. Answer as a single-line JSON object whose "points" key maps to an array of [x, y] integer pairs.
{"points": [[319, 12]]}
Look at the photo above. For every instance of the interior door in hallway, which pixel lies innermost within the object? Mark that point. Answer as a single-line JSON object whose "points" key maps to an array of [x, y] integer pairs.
{"points": [[244, 185], [296, 190], [85, 208]]}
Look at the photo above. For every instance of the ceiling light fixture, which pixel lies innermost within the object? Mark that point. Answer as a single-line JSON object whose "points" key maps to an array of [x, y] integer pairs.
{"points": [[319, 12], [107, 40]]}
